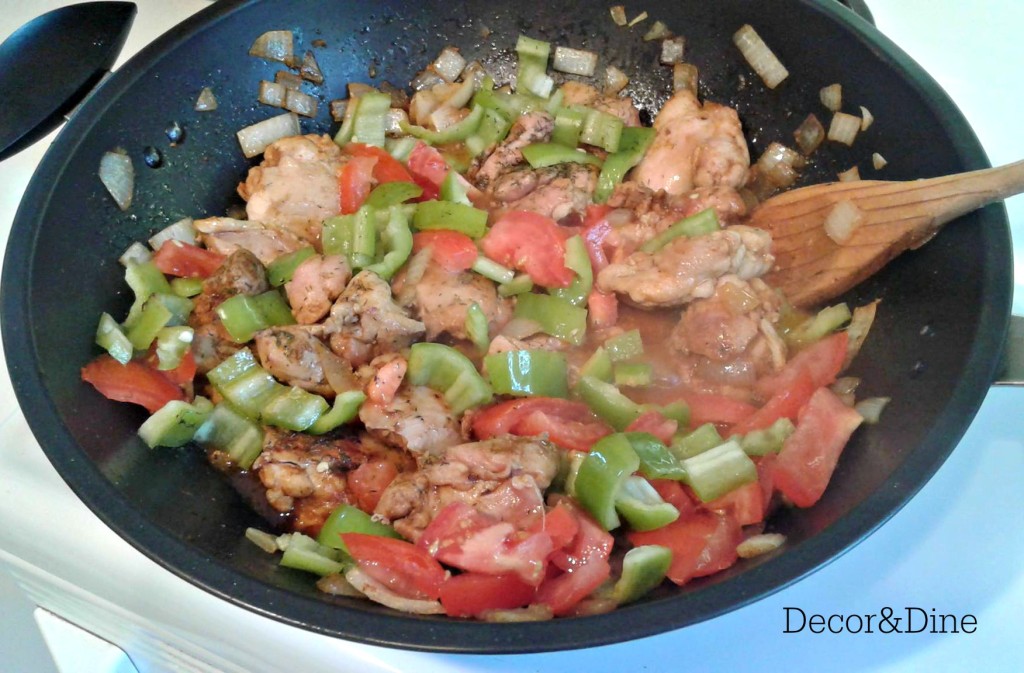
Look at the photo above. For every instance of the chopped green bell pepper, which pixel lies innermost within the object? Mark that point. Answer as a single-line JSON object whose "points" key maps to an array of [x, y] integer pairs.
{"points": [[454, 189], [349, 519], [175, 423], [520, 284], [449, 215], [598, 366], [542, 155], [643, 569], [642, 507], [537, 373], [817, 327], [656, 461], [605, 400], [568, 125], [153, 318], [186, 287], [578, 259], [306, 554], [370, 118], [345, 409], [768, 440], [675, 411], [717, 471], [700, 440], [229, 431], [171, 345], [556, 317], [488, 268], [281, 270], [531, 74], [704, 222], [396, 239], [602, 129], [448, 371], [625, 346], [509, 105], [293, 409], [461, 130], [476, 327], [633, 143], [494, 126], [243, 315], [601, 475], [112, 339], [633, 374]]}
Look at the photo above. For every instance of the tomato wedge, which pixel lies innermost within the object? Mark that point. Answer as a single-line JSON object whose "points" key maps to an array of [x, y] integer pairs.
{"points": [[786, 403], [368, 481], [453, 250], [387, 168], [180, 375], [822, 360], [134, 382], [654, 423], [585, 565], [184, 260], [355, 182], [428, 169], [530, 243], [470, 594], [401, 566], [712, 408], [702, 544], [570, 425], [603, 309]]}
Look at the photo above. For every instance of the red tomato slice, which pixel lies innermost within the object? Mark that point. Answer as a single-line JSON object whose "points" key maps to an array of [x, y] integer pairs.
{"points": [[654, 423], [603, 309], [387, 168], [786, 403], [823, 360], [453, 250], [745, 503], [428, 169], [712, 408], [674, 493], [401, 566], [561, 525], [469, 594], [595, 228], [180, 259], [804, 466], [355, 182], [585, 564], [702, 544], [531, 243], [568, 434], [570, 425], [369, 480], [134, 382]]}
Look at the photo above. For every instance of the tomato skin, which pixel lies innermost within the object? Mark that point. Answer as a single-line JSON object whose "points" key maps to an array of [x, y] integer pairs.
{"points": [[702, 544], [785, 403], [134, 382], [530, 243], [561, 525], [368, 481], [603, 309], [570, 425], [804, 467], [584, 562], [428, 169], [822, 360], [184, 260], [453, 250], [719, 409], [654, 423], [354, 183], [674, 493], [567, 433], [470, 594], [401, 566], [387, 168]]}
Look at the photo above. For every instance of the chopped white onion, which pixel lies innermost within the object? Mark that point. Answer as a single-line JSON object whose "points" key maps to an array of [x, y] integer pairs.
{"points": [[357, 89], [272, 93], [446, 116], [182, 230], [843, 128], [425, 80], [614, 80], [449, 64], [574, 61], [337, 585], [851, 174], [642, 16], [300, 103], [338, 108], [118, 175], [206, 102], [261, 539], [684, 76], [756, 545], [520, 328], [866, 118], [254, 139], [809, 135], [310, 69], [538, 612], [422, 104], [658, 31], [759, 56], [288, 78], [672, 50], [393, 122], [779, 166], [878, 161], [842, 221], [871, 408], [860, 324], [136, 253], [832, 97], [274, 45], [379, 593], [618, 13], [459, 94]]}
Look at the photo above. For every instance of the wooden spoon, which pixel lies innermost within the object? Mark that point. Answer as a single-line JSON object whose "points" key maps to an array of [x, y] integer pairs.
{"points": [[812, 268]]}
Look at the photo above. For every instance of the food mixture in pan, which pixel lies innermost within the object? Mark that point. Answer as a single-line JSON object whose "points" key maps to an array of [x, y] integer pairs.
{"points": [[496, 352]]}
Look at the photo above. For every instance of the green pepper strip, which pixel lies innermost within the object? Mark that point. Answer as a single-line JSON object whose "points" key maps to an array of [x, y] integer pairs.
{"points": [[243, 315], [520, 284], [700, 440], [578, 259], [293, 409], [816, 328], [306, 554], [112, 339], [492, 130], [600, 477], [400, 148], [542, 155], [452, 134], [153, 318], [349, 519], [602, 129], [633, 143], [568, 124], [633, 374], [642, 507], [397, 240], [643, 569], [345, 409], [371, 118], [538, 373], [488, 268], [175, 423], [454, 189], [171, 345], [186, 287], [704, 222], [675, 411], [531, 74], [145, 280], [556, 317], [605, 400], [449, 372], [229, 431], [656, 461], [625, 346], [768, 440], [717, 471], [348, 126], [598, 366], [448, 215], [476, 327], [510, 105], [281, 270]]}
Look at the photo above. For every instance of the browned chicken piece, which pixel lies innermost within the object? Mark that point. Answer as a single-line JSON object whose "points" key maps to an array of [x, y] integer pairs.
{"points": [[295, 355], [730, 337], [295, 187], [417, 420], [578, 93], [504, 477], [651, 212], [314, 286], [688, 268], [556, 192], [225, 235], [306, 475], [365, 321], [532, 127], [240, 273], [694, 146], [441, 300]]}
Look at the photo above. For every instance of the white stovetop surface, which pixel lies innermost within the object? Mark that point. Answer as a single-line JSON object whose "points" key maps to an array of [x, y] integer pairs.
{"points": [[956, 547]]}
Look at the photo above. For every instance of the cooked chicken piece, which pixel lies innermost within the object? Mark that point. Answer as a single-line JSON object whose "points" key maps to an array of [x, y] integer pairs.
{"points": [[293, 354], [688, 268], [532, 127], [306, 475], [295, 187], [240, 273], [556, 192], [225, 235], [504, 477], [417, 420], [314, 286], [441, 300], [366, 322], [578, 93], [694, 146]]}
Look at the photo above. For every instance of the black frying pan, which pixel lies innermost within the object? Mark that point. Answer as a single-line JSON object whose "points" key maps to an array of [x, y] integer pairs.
{"points": [[61, 272]]}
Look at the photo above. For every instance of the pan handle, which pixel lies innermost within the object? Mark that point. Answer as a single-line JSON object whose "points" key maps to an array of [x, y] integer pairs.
{"points": [[1011, 369]]}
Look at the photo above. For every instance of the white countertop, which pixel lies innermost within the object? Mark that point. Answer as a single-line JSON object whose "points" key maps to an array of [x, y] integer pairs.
{"points": [[954, 548]]}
